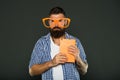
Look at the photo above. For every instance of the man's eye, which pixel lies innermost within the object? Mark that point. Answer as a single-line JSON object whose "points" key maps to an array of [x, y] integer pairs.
{"points": [[51, 20], [60, 20]]}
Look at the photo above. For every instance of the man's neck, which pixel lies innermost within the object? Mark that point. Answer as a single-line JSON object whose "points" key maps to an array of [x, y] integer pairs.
{"points": [[57, 40]]}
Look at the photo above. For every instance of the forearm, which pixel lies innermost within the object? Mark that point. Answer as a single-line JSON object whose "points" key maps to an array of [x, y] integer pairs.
{"points": [[82, 66], [38, 69]]}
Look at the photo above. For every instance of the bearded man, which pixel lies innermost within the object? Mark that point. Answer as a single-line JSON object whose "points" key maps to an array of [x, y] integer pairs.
{"points": [[47, 59]]}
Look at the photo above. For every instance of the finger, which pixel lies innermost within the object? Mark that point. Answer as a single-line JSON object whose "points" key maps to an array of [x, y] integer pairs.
{"points": [[63, 60], [72, 46], [61, 54], [58, 55], [71, 51], [62, 57]]}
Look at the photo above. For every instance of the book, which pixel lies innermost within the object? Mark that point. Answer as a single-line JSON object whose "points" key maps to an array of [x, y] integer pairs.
{"points": [[64, 44]]}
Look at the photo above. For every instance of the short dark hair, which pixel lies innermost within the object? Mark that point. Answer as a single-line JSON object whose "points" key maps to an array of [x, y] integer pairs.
{"points": [[57, 10]]}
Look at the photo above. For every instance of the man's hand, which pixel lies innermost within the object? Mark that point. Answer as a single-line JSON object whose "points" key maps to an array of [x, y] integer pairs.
{"points": [[74, 51], [80, 64], [59, 59]]}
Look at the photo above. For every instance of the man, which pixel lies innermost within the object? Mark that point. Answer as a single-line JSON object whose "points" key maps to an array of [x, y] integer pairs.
{"points": [[46, 58]]}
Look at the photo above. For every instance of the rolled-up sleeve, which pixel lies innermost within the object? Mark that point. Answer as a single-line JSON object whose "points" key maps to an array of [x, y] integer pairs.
{"points": [[82, 52], [36, 54]]}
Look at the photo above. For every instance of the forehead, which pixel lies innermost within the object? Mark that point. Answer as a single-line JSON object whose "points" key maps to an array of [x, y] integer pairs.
{"points": [[57, 16]]}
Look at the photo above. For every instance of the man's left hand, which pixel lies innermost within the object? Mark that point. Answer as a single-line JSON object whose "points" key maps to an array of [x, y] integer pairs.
{"points": [[74, 51]]}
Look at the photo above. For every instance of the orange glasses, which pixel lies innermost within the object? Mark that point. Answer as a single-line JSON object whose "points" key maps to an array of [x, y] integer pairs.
{"points": [[61, 22]]}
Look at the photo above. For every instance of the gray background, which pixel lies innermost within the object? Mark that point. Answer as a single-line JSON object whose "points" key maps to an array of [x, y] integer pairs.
{"points": [[95, 22]]}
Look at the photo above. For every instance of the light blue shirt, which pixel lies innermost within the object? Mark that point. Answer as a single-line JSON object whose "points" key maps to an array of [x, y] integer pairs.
{"points": [[41, 54]]}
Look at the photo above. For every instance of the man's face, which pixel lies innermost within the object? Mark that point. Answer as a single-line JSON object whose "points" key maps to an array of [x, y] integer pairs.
{"points": [[57, 20], [57, 28]]}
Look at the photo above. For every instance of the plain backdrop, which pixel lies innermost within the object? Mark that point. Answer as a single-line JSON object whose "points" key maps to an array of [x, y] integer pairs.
{"points": [[95, 22]]}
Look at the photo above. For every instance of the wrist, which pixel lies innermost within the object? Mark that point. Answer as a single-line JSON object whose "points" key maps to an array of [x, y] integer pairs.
{"points": [[77, 58], [51, 63]]}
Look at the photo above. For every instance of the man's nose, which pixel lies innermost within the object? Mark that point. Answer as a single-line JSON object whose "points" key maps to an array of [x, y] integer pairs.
{"points": [[56, 22]]}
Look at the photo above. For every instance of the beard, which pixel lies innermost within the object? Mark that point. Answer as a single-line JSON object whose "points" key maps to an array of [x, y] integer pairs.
{"points": [[57, 32]]}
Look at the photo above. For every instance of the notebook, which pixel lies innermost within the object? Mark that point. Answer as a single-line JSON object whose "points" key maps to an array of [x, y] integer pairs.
{"points": [[64, 44]]}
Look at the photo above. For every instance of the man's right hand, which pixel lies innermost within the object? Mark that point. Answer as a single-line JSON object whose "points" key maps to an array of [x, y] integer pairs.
{"points": [[59, 59], [37, 69]]}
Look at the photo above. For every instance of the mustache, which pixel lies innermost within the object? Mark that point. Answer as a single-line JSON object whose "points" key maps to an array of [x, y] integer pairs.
{"points": [[56, 28]]}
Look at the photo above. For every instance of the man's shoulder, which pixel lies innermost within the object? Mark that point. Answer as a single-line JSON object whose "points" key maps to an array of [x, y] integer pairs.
{"points": [[69, 36], [44, 38]]}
